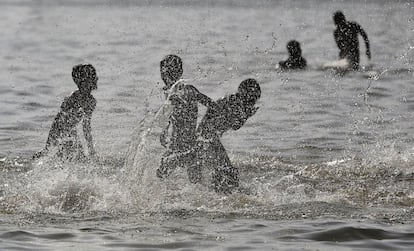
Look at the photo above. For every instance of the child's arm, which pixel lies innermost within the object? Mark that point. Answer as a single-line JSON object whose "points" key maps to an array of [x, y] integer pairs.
{"points": [[40, 154], [238, 121], [366, 40], [283, 65], [52, 138], [203, 99], [87, 131], [233, 114], [240, 112], [251, 110], [88, 135], [55, 131], [164, 136]]}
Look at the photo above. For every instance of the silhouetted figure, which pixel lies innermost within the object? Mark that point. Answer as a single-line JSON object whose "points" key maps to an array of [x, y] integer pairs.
{"points": [[75, 108], [232, 113], [346, 37], [179, 136], [295, 60]]}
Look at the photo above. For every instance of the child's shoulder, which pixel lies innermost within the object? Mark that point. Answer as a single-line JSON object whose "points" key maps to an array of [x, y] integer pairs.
{"points": [[74, 94], [183, 89], [178, 86], [79, 96], [74, 97], [186, 85], [231, 98], [231, 101], [87, 100]]}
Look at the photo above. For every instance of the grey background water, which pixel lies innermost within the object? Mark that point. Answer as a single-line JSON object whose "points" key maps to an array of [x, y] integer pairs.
{"points": [[327, 160]]}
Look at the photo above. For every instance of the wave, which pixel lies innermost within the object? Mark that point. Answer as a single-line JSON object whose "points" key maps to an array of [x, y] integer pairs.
{"points": [[366, 237], [345, 234]]}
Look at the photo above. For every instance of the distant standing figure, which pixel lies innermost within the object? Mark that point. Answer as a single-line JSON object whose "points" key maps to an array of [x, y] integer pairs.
{"points": [[295, 60], [346, 37], [75, 108], [232, 113]]}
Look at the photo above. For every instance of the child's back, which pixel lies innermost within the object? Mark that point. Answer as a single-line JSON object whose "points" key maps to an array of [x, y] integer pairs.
{"points": [[229, 115], [233, 110]]}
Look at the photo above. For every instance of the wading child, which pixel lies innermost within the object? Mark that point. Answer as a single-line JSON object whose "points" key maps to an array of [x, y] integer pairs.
{"points": [[232, 113], [295, 60], [74, 109], [346, 38], [179, 136]]}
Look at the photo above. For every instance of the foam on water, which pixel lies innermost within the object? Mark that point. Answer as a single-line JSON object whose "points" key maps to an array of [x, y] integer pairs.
{"points": [[383, 178], [51, 186]]}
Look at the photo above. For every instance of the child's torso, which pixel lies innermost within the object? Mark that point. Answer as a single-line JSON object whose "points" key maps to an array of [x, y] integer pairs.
{"points": [[75, 107], [231, 111], [183, 118]]}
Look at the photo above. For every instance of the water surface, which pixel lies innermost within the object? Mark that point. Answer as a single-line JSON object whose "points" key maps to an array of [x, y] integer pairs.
{"points": [[326, 163]]}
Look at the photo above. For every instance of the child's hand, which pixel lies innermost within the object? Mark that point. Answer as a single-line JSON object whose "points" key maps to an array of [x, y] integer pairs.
{"points": [[40, 154], [250, 111], [93, 157], [92, 152], [368, 52], [164, 140]]}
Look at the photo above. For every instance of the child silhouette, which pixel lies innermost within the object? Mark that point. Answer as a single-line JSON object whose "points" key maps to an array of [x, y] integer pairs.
{"points": [[231, 112], [74, 109], [295, 60], [179, 135]]}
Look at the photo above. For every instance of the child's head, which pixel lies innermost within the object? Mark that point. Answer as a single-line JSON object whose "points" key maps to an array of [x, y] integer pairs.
{"points": [[339, 18], [250, 91], [171, 68], [84, 76], [293, 48]]}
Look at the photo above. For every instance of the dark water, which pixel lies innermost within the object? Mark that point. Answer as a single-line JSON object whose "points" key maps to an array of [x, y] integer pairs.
{"points": [[210, 234], [326, 163]]}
